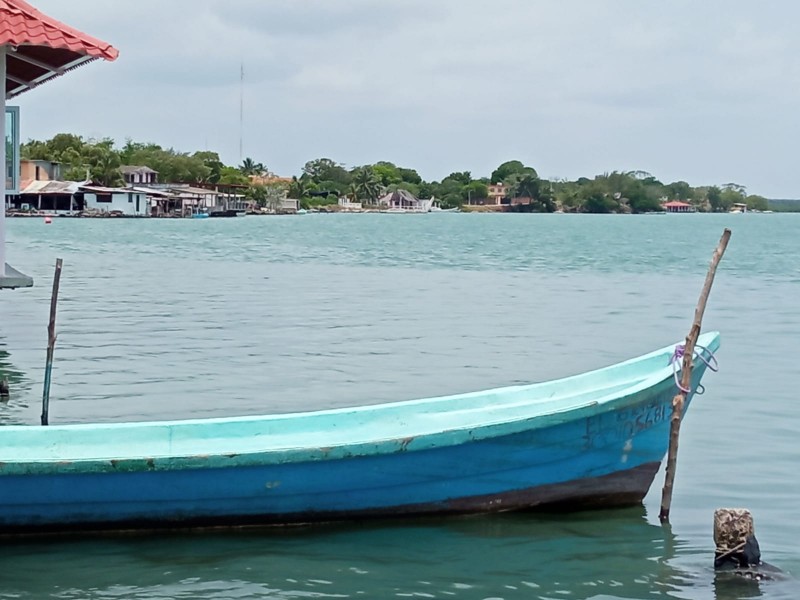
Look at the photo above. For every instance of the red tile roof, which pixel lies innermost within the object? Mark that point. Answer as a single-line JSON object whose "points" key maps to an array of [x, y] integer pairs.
{"points": [[676, 204], [41, 47]]}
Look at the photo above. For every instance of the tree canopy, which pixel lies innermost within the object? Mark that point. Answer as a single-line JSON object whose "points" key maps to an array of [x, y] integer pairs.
{"points": [[509, 169], [324, 180]]}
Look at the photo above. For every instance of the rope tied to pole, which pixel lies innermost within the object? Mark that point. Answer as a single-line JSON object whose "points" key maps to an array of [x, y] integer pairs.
{"points": [[701, 352]]}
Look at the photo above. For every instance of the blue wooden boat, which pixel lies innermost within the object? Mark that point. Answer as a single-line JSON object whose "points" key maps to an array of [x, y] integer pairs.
{"points": [[592, 440]]}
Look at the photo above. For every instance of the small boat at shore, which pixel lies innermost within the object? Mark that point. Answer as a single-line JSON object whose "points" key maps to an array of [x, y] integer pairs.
{"points": [[590, 440], [227, 213]]}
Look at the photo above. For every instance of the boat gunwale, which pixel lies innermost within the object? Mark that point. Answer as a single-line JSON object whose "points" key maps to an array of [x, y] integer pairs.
{"points": [[368, 447], [651, 379]]}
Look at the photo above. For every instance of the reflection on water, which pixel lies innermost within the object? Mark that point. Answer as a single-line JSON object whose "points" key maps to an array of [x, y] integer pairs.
{"points": [[733, 587], [17, 383], [15, 377], [591, 555], [730, 586]]}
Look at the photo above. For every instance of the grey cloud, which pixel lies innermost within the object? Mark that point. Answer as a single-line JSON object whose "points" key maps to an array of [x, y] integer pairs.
{"points": [[682, 89], [324, 18]]}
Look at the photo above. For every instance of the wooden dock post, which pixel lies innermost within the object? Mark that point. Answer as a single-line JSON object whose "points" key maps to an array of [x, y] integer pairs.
{"points": [[737, 554], [686, 377], [51, 343]]}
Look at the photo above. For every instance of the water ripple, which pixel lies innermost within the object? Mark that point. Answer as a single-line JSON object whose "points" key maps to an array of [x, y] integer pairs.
{"points": [[174, 319]]}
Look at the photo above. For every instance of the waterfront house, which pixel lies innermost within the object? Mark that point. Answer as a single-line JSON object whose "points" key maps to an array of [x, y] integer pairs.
{"points": [[138, 175], [289, 205], [347, 205], [193, 199], [49, 197], [39, 170], [676, 206], [497, 195], [159, 202], [404, 201], [41, 189], [498, 192], [130, 202], [181, 199]]}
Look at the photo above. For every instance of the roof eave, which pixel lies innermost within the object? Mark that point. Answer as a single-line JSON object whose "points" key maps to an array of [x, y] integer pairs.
{"points": [[51, 74]]}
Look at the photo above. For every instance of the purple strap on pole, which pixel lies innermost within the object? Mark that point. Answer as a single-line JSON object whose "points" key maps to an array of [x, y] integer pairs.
{"points": [[701, 352], [675, 360]]}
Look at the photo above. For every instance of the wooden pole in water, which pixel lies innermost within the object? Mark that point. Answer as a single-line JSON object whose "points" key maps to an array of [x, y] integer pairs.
{"points": [[686, 377], [51, 342]]}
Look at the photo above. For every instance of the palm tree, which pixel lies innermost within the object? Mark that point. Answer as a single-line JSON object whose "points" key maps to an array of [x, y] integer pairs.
{"points": [[298, 189], [352, 192], [105, 170], [367, 184], [250, 167], [540, 192], [526, 186], [547, 197]]}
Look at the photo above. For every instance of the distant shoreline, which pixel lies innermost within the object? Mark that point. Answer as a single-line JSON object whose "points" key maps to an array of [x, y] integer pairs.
{"points": [[112, 217]]}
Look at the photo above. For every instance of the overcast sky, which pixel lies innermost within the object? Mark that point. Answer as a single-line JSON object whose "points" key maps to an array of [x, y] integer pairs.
{"points": [[707, 92]]}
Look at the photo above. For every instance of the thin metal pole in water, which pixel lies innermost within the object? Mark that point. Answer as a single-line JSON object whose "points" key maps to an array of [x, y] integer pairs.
{"points": [[51, 342], [686, 378], [3, 162]]}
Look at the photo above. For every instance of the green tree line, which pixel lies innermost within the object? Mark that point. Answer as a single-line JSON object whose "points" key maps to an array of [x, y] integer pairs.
{"points": [[324, 181]]}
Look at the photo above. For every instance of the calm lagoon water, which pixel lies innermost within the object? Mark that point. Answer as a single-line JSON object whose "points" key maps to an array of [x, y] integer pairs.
{"points": [[170, 319]]}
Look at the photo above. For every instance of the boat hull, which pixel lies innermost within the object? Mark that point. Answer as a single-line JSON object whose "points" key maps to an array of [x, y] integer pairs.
{"points": [[603, 460], [618, 489], [600, 447]]}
